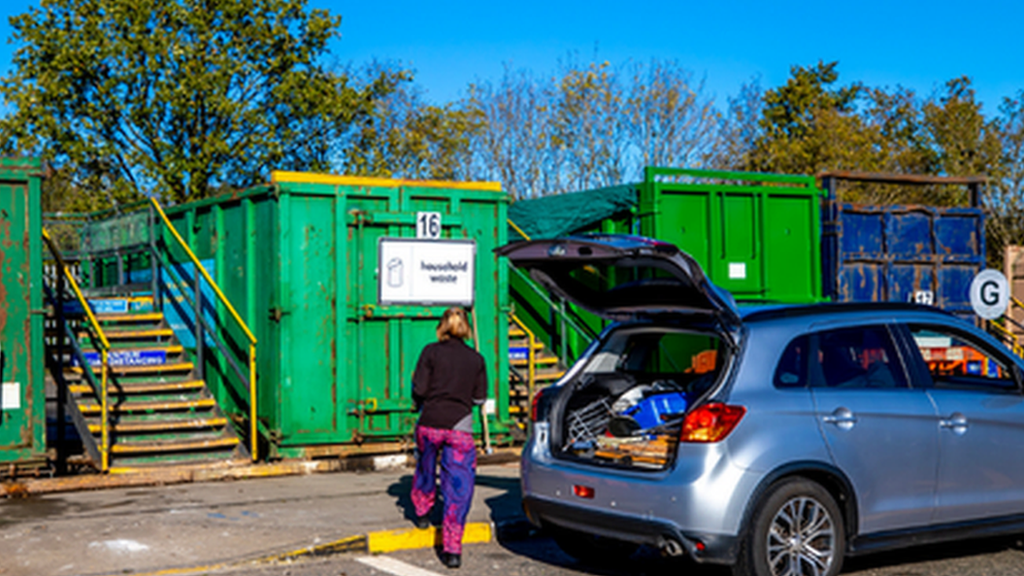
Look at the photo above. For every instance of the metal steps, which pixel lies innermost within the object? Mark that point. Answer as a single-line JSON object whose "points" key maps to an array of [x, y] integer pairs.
{"points": [[160, 412], [548, 368]]}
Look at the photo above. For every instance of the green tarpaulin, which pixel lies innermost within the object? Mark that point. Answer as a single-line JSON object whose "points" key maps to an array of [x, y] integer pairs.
{"points": [[562, 214]]}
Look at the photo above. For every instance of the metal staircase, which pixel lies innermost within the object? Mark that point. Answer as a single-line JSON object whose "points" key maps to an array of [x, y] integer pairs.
{"points": [[532, 367], [160, 411], [136, 395]]}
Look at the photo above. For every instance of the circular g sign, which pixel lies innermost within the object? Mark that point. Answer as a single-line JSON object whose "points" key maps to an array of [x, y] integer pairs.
{"points": [[990, 294]]}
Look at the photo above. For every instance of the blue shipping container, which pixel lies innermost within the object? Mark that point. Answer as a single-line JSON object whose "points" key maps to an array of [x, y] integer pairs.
{"points": [[918, 254]]}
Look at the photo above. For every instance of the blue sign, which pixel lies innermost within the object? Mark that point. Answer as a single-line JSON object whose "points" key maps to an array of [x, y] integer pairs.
{"points": [[109, 306], [518, 352], [128, 358]]}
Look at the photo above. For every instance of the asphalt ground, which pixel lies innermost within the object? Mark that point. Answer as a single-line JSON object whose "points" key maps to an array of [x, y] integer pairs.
{"points": [[197, 527], [347, 524]]}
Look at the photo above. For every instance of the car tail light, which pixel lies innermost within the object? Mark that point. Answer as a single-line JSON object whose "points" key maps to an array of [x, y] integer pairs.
{"points": [[711, 422], [583, 491], [533, 405]]}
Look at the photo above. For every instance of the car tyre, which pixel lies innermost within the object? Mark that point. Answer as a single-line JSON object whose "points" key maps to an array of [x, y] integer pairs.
{"points": [[590, 548], [796, 530]]}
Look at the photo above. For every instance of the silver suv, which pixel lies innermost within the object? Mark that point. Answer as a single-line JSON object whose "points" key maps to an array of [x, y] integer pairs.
{"points": [[778, 440]]}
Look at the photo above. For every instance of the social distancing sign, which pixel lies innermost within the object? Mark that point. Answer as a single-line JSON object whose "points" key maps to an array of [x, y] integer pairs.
{"points": [[426, 272]]}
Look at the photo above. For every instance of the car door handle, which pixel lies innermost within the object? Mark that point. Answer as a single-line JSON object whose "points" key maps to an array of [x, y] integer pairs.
{"points": [[842, 418], [957, 423]]}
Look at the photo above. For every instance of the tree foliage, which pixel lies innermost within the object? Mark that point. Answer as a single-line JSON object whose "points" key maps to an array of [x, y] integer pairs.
{"points": [[178, 96], [182, 98], [591, 125]]}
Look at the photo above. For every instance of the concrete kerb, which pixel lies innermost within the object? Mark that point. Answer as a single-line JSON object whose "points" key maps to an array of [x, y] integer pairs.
{"points": [[379, 542], [187, 474]]}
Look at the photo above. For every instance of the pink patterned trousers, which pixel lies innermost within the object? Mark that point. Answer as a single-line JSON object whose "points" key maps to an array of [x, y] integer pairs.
{"points": [[458, 471]]}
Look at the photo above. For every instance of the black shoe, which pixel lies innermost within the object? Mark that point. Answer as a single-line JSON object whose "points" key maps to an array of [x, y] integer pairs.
{"points": [[452, 560], [422, 522]]}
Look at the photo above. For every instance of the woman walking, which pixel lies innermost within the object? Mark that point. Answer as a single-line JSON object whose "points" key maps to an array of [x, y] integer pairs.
{"points": [[449, 380]]}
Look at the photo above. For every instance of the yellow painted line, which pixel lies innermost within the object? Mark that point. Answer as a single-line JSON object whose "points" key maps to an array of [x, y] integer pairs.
{"points": [[350, 544], [374, 542], [280, 176], [415, 538]]}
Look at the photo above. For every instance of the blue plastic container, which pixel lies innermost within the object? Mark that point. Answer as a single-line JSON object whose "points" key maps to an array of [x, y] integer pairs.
{"points": [[658, 408]]}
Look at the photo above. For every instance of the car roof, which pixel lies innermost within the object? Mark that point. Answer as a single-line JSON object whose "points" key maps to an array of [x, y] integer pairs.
{"points": [[763, 312]]}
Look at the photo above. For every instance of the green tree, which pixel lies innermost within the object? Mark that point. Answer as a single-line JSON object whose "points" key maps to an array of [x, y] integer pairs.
{"points": [[397, 134], [808, 125], [1004, 197], [174, 97], [967, 144]]}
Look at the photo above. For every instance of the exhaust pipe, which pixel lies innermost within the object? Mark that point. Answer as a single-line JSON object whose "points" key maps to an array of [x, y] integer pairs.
{"points": [[672, 547]]}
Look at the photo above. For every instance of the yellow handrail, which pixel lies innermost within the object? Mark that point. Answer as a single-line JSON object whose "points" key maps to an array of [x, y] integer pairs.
{"points": [[202, 270], [104, 353], [234, 314], [1015, 344], [517, 229], [531, 360]]}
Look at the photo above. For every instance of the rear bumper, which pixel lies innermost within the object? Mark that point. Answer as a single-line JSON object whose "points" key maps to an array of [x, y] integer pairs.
{"points": [[714, 549]]}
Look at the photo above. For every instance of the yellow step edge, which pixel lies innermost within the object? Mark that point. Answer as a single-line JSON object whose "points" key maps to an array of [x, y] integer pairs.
{"points": [[143, 388], [548, 377], [143, 369], [149, 406], [543, 361], [122, 334], [171, 349], [129, 317], [149, 448], [161, 426]]}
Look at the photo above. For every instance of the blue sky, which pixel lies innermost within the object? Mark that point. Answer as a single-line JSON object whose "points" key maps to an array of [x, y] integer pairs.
{"points": [[916, 44]]}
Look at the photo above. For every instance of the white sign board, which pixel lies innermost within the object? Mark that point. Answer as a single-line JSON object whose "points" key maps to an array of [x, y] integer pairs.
{"points": [[426, 272], [990, 294]]}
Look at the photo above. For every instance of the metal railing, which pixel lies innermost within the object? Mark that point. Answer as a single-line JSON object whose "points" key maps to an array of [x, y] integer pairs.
{"points": [[566, 318], [201, 272], [531, 359], [104, 349], [1005, 333]]}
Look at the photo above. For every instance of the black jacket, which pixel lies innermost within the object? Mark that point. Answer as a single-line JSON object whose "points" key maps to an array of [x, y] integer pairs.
{"points": [[449, 379]]}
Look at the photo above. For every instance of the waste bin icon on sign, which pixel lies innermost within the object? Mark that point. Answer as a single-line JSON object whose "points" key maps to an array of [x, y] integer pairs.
{"points": [[395, 272]]}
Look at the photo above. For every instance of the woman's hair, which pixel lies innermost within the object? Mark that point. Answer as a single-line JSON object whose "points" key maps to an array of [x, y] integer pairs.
{"points": [[453, 323]]}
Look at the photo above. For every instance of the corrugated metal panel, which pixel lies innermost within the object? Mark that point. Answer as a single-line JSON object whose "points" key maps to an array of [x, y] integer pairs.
{"points": [[904, 254], [299, 261], [756, 235], [22, 402]]}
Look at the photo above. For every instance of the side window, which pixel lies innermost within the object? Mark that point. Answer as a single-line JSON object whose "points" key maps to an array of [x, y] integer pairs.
{"points": [[861, 357], [956, 360], [792, 369]]}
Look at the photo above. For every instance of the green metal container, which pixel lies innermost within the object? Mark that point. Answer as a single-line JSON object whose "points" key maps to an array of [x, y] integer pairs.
{"points": [[756, 235], [299, 260], [23, 401]]}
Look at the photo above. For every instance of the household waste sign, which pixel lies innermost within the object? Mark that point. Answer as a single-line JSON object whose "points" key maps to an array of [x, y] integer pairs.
{"points": [[426, 272]]}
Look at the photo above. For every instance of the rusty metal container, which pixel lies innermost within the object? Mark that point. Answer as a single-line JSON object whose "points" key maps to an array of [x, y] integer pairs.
{"points": [[22, 377]]}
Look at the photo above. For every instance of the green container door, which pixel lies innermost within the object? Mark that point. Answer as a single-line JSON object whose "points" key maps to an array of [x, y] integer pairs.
{"points": [[22, 402], [299, 261], [755, 235]]}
